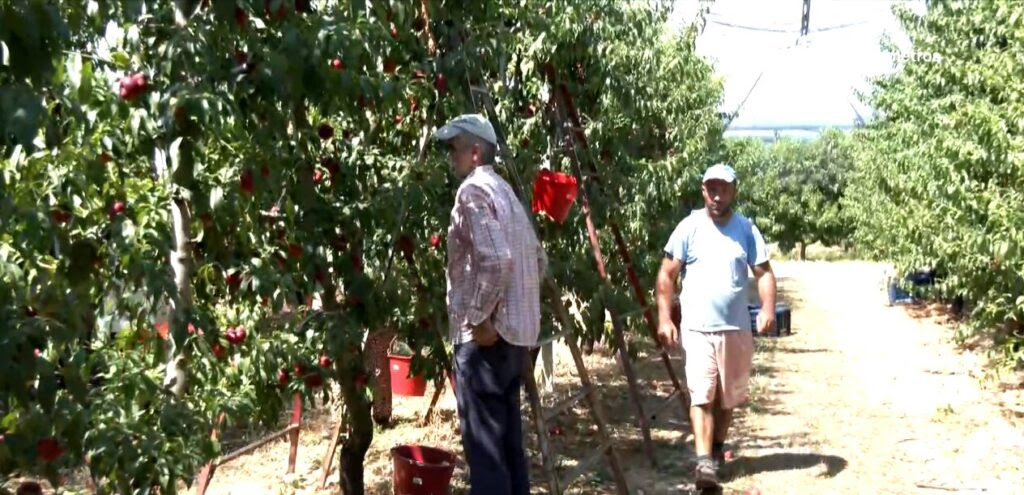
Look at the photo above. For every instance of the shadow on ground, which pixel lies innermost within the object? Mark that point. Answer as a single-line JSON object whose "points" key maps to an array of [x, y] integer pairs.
{"points": [[671, 438], [746, 466], [793, 350]]}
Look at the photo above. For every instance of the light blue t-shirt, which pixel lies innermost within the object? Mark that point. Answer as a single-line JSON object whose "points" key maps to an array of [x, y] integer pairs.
{"points": [[714, 296]]}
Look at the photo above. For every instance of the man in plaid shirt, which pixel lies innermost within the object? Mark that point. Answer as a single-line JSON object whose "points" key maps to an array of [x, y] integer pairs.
{"points": [[495, 264]]}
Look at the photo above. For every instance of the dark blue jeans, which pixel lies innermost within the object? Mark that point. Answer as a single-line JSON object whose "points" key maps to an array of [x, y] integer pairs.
{"points": [[487, 381]]}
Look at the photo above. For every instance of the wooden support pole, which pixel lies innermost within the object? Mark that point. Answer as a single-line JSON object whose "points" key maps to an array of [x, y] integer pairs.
{"points": [[634, 391], [536, 412], [332, 448], [293, 450], [438, 390], [639, 293], [594, 397], [207, 472], [257, 444], [620, 339]]}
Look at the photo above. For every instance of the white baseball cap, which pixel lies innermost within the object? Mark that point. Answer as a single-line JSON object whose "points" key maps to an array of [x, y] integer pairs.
{"points": [[472, 123], [720, 171]]}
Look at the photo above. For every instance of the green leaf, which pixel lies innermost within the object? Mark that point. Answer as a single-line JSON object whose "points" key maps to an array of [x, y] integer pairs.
{"points": [[23, 112], [175, 153], [121, 60], [10, 422], [216, 197], [1000, 248], [74, 71]]}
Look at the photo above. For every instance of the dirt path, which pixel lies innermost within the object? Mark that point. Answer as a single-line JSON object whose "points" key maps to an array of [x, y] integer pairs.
{"points": [[865, 399], [862, 398]]}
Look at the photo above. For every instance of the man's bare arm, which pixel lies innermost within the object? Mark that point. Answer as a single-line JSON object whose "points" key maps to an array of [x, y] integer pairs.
{"points": [[665, 291], [766, 289]]}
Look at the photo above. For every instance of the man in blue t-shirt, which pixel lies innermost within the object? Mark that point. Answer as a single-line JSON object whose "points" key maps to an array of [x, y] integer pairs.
{"points": [[716, 246]]}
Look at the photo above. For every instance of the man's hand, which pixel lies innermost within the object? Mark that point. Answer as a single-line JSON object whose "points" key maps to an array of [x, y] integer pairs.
{"points": [[668, 334], [484, 334], [765, 320]]}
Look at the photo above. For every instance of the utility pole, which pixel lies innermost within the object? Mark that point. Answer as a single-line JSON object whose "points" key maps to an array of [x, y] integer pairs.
{"points": [[805, 18]]}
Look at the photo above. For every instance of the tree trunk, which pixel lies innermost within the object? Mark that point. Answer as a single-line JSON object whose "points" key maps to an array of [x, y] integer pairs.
{"points": [[375, 360], [353, 452], [357, 408], [176, 375], [803, 251], [181, 263]]}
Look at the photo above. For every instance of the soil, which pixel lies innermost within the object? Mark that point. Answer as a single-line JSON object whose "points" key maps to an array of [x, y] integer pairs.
{"points": [[860, 398]]}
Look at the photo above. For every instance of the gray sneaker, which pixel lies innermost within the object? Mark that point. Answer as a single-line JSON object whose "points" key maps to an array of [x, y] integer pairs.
{"points": [[705, 475]]}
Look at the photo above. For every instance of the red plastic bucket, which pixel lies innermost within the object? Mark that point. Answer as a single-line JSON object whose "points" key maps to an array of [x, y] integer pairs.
{"points": [[401, 382], [421, 470], [554, 194]]}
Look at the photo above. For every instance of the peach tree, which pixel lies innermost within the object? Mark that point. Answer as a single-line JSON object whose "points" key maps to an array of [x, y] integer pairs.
{"points": [[938, 174], [208, 205], [794, 189]]}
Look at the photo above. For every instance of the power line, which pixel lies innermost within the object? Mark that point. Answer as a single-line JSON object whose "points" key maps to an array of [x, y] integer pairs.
{"points": [[768, 62], [752, 28], [735, 113], [784, 31]]}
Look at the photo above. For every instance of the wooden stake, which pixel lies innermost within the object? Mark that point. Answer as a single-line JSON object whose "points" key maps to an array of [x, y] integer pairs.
{"points": [[329, 455], [207, 472], [293, 450]]}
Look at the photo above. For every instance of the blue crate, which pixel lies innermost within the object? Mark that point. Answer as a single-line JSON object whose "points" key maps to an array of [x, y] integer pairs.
{"points": [[783, 319], [898, 295], [921, 277]]}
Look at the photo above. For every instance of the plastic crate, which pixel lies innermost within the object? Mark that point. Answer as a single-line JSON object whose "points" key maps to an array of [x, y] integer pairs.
{"points": [[783, 320], [898, 295]]}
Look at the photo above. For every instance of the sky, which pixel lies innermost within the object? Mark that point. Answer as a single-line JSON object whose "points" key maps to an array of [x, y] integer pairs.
{"points": [[783, 83]]}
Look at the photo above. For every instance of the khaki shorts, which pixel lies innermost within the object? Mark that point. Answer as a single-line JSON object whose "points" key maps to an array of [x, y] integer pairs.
{"points": [[718, 363]]}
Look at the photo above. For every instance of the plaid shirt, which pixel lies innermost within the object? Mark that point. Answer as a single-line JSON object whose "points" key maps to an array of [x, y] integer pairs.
{"points": [[495, 262]]}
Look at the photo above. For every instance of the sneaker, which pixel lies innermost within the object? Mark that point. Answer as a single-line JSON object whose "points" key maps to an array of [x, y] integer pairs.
{"points": [[704, 475]]}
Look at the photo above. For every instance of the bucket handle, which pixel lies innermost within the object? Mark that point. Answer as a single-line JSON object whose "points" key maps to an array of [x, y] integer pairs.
{"points": [[391, 345]]}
